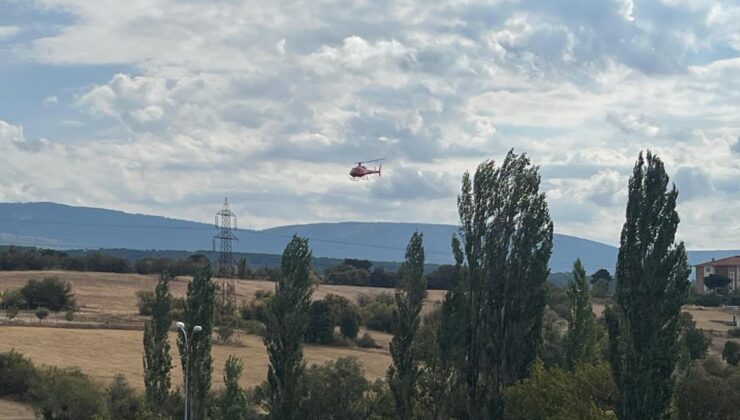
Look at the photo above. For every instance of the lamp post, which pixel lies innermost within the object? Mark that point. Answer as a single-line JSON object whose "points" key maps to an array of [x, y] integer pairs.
{"points": [[181, 327]]}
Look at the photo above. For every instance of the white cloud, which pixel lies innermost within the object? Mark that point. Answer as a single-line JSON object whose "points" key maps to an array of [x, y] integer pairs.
{"points": [[264, 100], [6, 31]]}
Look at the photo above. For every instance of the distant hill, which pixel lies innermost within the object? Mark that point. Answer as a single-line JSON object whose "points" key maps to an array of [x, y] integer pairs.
{"points": [[61, 226]]}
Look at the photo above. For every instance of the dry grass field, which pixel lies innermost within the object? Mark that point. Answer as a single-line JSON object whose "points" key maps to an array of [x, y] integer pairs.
{"points": [[104, 353], [11, 410], [115, 294]]}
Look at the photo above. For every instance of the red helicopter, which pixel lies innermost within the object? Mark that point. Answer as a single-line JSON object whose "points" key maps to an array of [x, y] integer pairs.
{"points": [[360, 171]]}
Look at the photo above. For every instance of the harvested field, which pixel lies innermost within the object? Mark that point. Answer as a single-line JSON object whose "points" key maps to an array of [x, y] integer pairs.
{"points": [[11, 410], [114, 294], [104, 353]]}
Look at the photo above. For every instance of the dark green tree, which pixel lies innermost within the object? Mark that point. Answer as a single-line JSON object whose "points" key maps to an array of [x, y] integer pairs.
{"points": [[157, 359], [410, 293], [286, 326], [652, 284], [321, 323], [695, 340], [349, 324], [580, 343], [336, 390], [199, 309], [233, 403], [500, 299], [715, 281], [601, 273], [731, 352]]}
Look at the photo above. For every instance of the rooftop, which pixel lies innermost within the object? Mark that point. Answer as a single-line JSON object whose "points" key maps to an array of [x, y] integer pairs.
{"points": [[724, 261]]}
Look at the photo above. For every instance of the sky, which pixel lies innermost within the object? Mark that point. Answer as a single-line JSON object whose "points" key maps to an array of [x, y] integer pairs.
{"points": [[166, 107]]}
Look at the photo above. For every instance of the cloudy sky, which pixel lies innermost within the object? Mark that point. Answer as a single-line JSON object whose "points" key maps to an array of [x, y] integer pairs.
{"points": [[166, 106]]}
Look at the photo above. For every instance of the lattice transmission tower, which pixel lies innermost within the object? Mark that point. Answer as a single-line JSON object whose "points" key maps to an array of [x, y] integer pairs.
{"points": [[225, 266]]}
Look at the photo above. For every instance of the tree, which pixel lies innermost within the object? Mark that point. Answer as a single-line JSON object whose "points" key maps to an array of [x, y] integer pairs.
{"points": [[731, 352], [652, 284], [41, 313], [199, 309], [320, 323], [410, 293], [233, 403], [349, 324], [600, 274], [441, 277], [50, 292], [715, 281], [157, 359], [695, 340], [335, 391], [587, 392], [286, 325], [499, 302], [581, 339], [122, 401], [359, 264], [67, 393]]}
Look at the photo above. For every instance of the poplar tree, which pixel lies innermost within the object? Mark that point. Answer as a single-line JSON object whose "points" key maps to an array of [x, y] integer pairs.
{"points": [[199, 305], [286, 321], [410, 293], [580, 342], [157, 359], [506, 235], [233, 402], [652, 285]]}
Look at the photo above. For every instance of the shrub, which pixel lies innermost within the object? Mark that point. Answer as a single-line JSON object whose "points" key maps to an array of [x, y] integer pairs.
{"points": [[254, 327], [734, 332], [366, 341], [320, 327], [378, 315], [256, 308], [123, 402], [69, 315], [67, 393], [708, 300], [587, 393], [224, 335], [707, 395], [335, 390], [16, 374], [14, 297], [41, 313], [731, 353], [11, 312], [177, 310], [145, 300], [50, 292], [601, 288]]}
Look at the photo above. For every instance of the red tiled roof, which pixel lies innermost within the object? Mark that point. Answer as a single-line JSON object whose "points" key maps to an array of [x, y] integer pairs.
{"points": [[724, 261]]}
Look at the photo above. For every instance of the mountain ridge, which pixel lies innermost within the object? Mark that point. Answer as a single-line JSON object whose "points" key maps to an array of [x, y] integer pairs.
{"points": [[64, 226]]}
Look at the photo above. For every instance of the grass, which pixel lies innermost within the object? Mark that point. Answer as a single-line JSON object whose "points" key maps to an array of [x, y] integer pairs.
{"points": [[115, 294], [104, 353]]}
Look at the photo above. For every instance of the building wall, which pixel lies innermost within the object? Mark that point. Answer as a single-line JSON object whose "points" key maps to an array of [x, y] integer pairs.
{"points": [[731, 272]]}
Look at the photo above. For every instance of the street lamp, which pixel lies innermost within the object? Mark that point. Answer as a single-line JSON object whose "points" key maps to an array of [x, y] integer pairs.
{"points": [[196, 329]]}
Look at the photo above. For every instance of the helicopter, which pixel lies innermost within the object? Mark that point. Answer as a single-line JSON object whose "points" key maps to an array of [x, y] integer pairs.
{"points": [[360, 171]]}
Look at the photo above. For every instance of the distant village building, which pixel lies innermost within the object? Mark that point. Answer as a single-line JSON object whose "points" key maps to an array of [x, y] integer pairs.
{"points": [[726, 267]]}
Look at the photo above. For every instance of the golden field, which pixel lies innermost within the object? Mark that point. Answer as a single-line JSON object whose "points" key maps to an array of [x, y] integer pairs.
{"points": [[102, 353]]}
